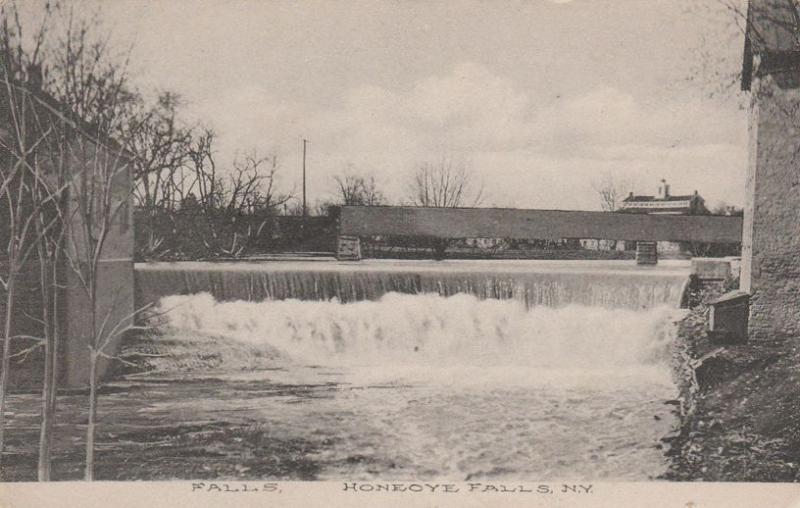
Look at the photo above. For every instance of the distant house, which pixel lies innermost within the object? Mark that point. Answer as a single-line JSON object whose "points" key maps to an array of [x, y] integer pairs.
{"points": [[665, 203], [661, 203]]}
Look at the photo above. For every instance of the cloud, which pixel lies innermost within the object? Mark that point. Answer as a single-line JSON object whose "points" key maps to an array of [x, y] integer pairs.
{"points": [[512, 137], [466, 109]]}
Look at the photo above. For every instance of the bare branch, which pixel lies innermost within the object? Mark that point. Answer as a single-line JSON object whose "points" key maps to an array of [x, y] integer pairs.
{"points": [[445, 184]]}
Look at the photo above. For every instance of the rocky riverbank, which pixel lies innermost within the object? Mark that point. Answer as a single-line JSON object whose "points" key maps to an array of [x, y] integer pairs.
{"points": [[741, 405]]}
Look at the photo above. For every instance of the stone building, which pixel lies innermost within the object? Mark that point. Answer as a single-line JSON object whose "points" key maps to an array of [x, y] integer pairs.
{"points": [[96, 170], [771, 229]]}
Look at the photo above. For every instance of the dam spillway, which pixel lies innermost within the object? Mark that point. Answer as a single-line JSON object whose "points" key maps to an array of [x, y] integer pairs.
{"points": [[536, 283]]}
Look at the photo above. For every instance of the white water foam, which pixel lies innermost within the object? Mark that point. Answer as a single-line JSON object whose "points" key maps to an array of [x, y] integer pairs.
{"points": [[437, 387], [411, 336]]}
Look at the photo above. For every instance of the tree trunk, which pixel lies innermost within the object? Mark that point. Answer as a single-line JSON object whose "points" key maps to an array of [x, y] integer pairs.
{"points": [[45, 431], [6, 361], [48, 288], [55, 345], [52, 402], [89, 474]]}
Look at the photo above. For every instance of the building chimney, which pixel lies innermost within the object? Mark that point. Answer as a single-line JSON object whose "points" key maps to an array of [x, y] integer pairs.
{"points": [[663, 189]]}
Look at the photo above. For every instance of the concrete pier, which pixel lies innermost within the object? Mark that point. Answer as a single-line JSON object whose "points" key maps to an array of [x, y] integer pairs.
{"points": [[646, 253]]}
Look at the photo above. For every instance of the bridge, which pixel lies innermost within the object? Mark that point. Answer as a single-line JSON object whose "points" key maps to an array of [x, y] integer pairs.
{"points": [[645, 229]]}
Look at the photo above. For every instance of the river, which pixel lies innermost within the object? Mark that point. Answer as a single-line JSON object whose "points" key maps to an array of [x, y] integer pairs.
{"points": [[411, 370]]}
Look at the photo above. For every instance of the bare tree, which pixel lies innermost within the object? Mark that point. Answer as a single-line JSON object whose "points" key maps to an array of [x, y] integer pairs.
{"points": [[161, 146], [24, 52], [350, 189], [25, 199], [355, 189], [253, 184], [50, 231], [444, 184], [84, 73], [611, 190], [30, 193], [53, 157], [84, 87], [99, 195], [205, 182], [49, 248], [74, 58], [201, 194]]}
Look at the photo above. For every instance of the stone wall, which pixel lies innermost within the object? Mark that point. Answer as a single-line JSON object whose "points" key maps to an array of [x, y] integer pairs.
{"points": [[771, 230], [115, 304], [89, 163]]}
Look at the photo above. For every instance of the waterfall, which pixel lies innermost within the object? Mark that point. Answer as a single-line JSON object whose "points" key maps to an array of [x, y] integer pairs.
{"points": [[431, 330], [455, 369], [428, 315], [551, 284]]}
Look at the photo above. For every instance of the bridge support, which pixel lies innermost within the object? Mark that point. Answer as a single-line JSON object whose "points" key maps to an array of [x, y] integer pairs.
{"points": [[348, 248], [646, 253]]}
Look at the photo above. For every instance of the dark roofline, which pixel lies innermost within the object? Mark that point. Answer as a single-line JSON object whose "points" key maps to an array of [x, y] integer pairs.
{"points": [[771, 38], [686, 197], [655, 210], [64, 113]]}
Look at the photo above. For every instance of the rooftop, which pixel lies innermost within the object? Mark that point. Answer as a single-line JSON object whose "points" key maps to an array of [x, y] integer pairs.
{"points": [[772, 33], [632, 198]]}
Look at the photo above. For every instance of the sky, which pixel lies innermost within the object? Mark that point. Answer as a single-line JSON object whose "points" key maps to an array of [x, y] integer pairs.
{"points": [[539, 99]]}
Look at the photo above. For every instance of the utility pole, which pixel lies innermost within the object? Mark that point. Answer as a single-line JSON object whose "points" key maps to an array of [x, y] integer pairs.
{"points": [[305, 208]]}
